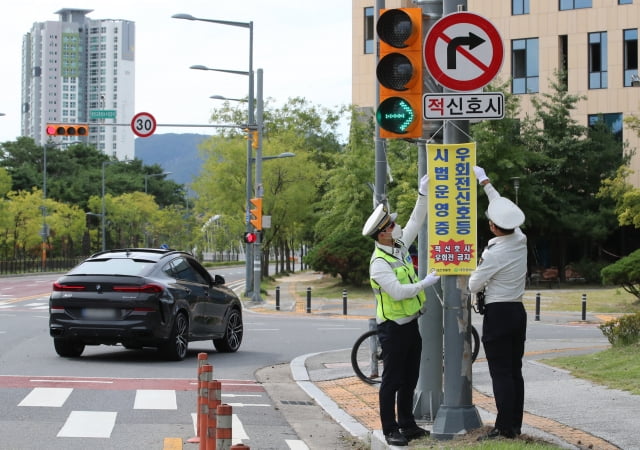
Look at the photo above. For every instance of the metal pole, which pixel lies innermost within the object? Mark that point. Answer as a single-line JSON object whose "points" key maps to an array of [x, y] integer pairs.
{"points": [[457, 414], [45, 231], [584, 306], [308, 300], [380, 191], [538, 307], [257, 254], [102, 216], [249, 247], [428, 395]]}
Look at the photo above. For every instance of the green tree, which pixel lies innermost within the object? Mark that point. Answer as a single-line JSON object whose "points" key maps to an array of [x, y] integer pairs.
{"points": [[565, 166], [289, 185], [626, 273]]}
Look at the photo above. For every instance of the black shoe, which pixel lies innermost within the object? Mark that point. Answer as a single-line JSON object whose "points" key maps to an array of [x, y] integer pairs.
{"points": [[396, 438], [414, 432], [496, 433]]}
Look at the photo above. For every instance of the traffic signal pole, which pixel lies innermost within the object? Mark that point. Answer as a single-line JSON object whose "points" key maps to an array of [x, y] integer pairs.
{"points": [[457, 414], [257, 254], [428, 395]]}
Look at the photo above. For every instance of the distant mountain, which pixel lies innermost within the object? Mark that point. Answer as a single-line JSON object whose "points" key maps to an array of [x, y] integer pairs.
{"points": [[175, 153]]}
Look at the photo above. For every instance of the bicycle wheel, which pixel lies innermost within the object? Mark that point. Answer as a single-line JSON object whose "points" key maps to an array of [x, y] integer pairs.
{"points": [[475, 343], [366, 357]]}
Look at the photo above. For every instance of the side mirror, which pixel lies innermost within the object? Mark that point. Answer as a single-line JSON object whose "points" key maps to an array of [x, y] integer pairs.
{"points": [[218, 279]]}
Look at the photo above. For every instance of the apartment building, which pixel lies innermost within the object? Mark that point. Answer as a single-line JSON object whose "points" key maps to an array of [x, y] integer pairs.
{"points": [[594, 41], [80, 70]]}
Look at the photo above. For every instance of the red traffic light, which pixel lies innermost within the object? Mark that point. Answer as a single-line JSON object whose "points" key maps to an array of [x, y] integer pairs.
{"points": [[59, 129], [250, 238]]}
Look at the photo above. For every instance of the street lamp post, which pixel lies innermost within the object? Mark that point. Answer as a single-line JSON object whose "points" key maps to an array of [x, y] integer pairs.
{"points": [[250, 124]]}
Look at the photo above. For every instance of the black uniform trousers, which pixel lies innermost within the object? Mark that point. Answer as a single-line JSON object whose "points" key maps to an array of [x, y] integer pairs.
{"points": [[401, 351], [504, 330]]}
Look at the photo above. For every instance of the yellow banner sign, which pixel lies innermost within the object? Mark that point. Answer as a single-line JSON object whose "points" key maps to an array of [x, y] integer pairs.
{"points": [[452, 208]]}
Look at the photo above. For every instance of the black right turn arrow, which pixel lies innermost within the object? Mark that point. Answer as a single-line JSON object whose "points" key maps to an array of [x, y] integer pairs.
{"points": [[472, 41]]}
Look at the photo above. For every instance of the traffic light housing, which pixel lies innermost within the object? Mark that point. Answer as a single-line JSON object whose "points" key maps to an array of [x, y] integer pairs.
{"points": [[256, 212], [250, 238], [399, 72], [71, 129]]}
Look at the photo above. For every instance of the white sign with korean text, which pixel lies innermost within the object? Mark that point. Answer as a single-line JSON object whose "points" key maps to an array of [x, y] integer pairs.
{"points": [[453, 106]]}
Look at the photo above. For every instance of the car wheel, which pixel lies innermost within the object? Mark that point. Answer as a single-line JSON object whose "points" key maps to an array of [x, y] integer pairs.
{"points": [[232, 338], [175, 349], [68, 348]]}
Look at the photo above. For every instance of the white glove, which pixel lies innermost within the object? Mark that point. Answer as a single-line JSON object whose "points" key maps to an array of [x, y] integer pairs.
{"points": [[480, 174], [431, 278], [423, 187]]}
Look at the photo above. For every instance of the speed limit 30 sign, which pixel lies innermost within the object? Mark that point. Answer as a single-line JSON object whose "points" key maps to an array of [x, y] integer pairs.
{"points": [[143, 124]]}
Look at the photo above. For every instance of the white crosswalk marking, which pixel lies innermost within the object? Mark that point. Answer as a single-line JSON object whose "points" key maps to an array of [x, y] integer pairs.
{"points": [[155, 399], [296, 445], [53, 397], [90, 424]]}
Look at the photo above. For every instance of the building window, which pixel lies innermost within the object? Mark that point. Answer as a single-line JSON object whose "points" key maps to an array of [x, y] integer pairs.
{"points": [[519, 7], [598, 60], [524, 65], [574, 4], [625, 2], [630, 56], [563, 58], [368, 30], [612, 120]]}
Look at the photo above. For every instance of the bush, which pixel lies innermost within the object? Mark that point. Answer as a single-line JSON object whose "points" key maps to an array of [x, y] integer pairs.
{"points": [[625, 272], [622, 331], [346, 254]]}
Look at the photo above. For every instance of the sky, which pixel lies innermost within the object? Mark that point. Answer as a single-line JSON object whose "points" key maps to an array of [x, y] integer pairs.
{"points": [[303, 47]]}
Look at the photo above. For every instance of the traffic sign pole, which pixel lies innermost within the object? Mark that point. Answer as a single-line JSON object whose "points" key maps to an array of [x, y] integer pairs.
{"points": [[451, 38]]}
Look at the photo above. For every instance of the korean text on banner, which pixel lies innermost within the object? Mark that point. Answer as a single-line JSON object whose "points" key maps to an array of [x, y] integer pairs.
{"points": [[452, 208]]}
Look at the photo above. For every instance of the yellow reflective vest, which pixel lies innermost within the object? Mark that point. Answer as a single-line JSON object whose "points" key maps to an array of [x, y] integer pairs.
{"points": [[388, 308]]}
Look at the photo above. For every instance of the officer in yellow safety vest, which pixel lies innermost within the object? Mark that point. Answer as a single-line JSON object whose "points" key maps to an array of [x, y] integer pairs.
{"points": [[399, 297]]}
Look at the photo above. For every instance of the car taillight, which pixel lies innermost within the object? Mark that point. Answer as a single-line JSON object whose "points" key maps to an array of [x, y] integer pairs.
{"points": [[146, 289], [67, 287]]}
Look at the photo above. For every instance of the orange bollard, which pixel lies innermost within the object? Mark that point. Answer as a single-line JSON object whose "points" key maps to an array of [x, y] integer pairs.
{"points": [[203, 403], [215, 388], [202, 360], [223, 427], [240, 447]]}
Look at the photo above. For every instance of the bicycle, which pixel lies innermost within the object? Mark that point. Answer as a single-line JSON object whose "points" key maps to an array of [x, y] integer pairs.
{"points": [[366, 355]]}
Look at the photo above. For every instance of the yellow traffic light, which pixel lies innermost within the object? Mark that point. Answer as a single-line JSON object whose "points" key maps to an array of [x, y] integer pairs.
{"points": [[399, 73], [256, 212], [64, 129]]}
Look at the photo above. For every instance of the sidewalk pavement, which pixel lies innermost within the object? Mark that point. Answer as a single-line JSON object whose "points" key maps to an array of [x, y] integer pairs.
{"points": [[567, 411]]}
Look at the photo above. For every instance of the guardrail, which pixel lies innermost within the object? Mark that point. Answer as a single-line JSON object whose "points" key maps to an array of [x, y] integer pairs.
{"points": [[21, 266]]}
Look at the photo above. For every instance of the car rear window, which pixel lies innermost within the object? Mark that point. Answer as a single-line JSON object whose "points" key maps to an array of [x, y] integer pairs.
{"points": [[113, 266]]}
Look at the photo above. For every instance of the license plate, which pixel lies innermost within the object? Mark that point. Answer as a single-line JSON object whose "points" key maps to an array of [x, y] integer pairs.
{"points": [[99, 313]]}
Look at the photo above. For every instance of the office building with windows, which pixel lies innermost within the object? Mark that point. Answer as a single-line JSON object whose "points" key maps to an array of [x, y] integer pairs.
{"points": [[594, 41], [80, 70]]}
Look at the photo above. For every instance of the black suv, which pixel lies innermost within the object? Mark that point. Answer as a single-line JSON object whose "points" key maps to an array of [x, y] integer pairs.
{"points": [[143, 297]]}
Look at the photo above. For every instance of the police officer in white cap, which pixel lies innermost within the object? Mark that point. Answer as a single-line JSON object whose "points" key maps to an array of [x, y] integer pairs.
{"points": [[502, 275], [399, 298]]}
